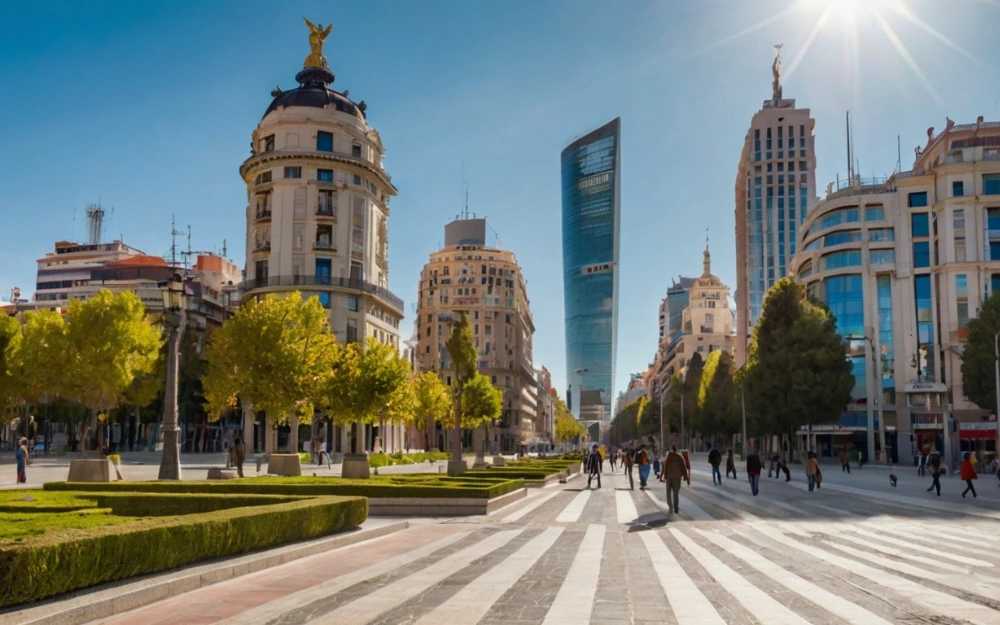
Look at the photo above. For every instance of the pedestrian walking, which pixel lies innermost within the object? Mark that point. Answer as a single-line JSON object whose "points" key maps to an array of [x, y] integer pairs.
{"points": [[23, 460], [968, 474], [594, 467], [611, 458], [812, 470], [730, 463], [656, 467], [629, 461], [773, 465], [238, 455], [675, 469], [784, 467], [754, 467], [936, 472], [715, 459], [642, 460], [845, 459], [922, 464]]}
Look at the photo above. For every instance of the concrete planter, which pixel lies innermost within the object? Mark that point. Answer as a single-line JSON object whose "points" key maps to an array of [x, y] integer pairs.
{"points": [[90, 470], [499, 461], [216, 473], [433, 507], [286, 465], [457, 468], [356, 467]]}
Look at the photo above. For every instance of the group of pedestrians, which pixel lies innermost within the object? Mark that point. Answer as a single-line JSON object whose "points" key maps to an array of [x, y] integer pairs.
{"points": [[627, 457]]}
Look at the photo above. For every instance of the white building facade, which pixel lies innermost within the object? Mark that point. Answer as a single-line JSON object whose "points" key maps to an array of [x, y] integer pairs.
{"points": [[903, 264]]}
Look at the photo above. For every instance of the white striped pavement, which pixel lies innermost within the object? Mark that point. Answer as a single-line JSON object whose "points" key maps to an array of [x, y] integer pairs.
{"points": [[838, 606], [575, 599], [274, 609], [765, 608], [571, 513], [688, 603], [474, 600], [884, 537], [525, 510], [929, 598], [368, 607], [626, 507]]}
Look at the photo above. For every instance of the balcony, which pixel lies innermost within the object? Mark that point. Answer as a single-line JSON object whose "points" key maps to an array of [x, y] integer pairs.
{"points": [[296, 154], [322, 245], [707, 330], [262, 247], [326, 211], [351, 284], [262, 215]]}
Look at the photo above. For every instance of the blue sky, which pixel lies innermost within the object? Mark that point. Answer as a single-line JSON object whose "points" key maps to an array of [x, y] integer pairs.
{"points": [[149, 107]]}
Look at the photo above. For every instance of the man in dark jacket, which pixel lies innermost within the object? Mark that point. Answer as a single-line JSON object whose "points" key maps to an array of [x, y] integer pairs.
{"points": [[753, 471], [675, 469], [629, 462], [594, 463], [715, 459]]}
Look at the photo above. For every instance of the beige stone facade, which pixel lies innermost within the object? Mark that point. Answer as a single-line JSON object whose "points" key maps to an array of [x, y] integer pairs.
{"points": [[487, 284]]}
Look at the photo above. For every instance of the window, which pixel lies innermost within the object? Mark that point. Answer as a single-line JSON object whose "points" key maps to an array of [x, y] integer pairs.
{"points": [[838, 238], [874, 213], [919, 225], [269, 143], [842, 259], [960, 254], [322, 273], [264, 177], [877, 235], [991, 184], [962, 296], [845, 297], [917, 200], [958, 188], [356, 150], [352, 304], [357, 179], [293, 172], [352, 332], [958, 219], [324, 141], [709, 318], [324, 175], [324, 299], [921, 255], [881, 257]]}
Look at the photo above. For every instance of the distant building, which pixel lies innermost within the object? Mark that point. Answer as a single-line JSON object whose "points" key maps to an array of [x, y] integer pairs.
{"points": [[591, 189], [774, 184], [673, 305], [486, 283]]}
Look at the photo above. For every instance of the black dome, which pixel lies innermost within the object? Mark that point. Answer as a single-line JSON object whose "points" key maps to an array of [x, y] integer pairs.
{"points": [[313, 92]]}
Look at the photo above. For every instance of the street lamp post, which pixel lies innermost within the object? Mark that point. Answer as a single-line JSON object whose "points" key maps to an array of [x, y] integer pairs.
{"points": [[176, 318], [874, 412], [743, 405]]}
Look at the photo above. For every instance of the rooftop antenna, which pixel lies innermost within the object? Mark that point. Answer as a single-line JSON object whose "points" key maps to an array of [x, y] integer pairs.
{"points": [[187, 259], [899, 156], [95, 223], [72, 233], [850, 174], [224, 255], [173, 241]]}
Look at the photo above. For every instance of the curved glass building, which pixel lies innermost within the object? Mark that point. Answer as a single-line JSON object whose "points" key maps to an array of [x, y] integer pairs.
{"points": [[590, 225]]}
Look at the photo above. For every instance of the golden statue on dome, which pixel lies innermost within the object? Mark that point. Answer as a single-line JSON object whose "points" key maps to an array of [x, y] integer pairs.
{"points": [[317, 35]]}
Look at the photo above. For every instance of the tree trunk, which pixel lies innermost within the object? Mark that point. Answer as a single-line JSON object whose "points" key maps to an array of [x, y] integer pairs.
{"points": [[479, 438], [248, 439], [268, 436], [456, 465], [293, 434]]}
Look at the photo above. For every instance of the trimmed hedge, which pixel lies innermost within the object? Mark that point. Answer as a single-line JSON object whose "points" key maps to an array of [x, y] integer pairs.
{"points": [[428, 486], [64, 561], [171, 504]]}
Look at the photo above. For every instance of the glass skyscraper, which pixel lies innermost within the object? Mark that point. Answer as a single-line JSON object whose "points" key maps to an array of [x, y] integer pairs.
{"points": [[590, 226]]}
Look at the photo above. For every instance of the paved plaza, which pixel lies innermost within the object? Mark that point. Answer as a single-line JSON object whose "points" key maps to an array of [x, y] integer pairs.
{"points": [[855, 551]]}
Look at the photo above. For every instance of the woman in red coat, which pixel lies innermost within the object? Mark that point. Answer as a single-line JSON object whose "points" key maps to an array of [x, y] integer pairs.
{"points": [[968, 474]]}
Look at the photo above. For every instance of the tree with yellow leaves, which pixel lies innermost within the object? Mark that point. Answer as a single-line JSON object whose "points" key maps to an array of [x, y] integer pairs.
{"points": [[274, 355], [432, 403]]}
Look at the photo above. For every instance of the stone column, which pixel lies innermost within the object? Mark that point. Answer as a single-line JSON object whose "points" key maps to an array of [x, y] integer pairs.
{"points": [[293, 434]]}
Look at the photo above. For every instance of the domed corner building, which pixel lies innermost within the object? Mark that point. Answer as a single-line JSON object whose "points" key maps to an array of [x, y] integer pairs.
{"points": [[317, 220]]}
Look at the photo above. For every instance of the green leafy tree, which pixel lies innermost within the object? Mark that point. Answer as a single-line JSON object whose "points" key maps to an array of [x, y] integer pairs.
{"points": [[369, 385], [275, 355], [481, 404], [978, 372], [684, 391], [110, 341], [432, 403], [797, 371], [10, 354], [717, 404], [567, 428], [462, 351]]}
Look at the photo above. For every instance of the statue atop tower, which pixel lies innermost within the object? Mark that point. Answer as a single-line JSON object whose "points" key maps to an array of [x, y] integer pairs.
{"points": [[776, 70], [317, 35]]}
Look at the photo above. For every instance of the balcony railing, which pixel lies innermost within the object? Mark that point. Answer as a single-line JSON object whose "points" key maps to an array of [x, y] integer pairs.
{"points": [[264, 213], [346, 283], [325, 211], [707, 330], [323, 245], [263, 247]]}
